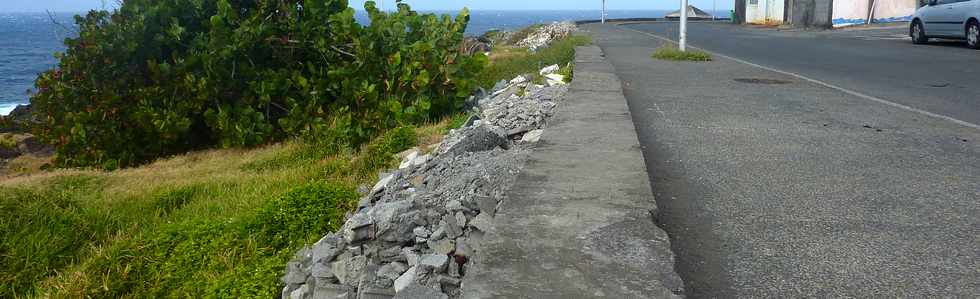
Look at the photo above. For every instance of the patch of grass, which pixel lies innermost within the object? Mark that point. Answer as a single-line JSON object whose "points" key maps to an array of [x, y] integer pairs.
{"points": [[507, 62], [217, 223], [7, 142], [674, 54]]}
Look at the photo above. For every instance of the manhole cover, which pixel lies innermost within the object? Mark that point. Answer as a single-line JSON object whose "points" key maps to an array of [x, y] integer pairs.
{"points": [[761, 81]]}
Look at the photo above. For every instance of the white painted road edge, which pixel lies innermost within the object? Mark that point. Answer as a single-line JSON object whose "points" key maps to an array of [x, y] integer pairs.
{"points": [[824, 84]]}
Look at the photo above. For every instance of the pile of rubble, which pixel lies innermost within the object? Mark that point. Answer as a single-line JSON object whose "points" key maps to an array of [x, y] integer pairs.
{"points": [[543, 36], [415, 230]]}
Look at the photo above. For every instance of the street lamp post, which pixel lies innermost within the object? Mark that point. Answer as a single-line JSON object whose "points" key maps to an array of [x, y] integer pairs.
{"points": [[603, 11], [683, 34]]}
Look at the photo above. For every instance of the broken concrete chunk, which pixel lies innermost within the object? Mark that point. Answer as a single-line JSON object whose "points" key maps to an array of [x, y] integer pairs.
{"points": [[348, 268], [407, 162], [555, 79], [551, 69], [301, 293], [443, 246], [330, 291], [321, 270], [392, 271], [294, 273], [460, 219], [450, 227], [375, 293], [487, 205], [474, 139], [532, 136], [417, 291], [481, 222], [436, 262], [411, 257], [327, 248], [405, 279]]}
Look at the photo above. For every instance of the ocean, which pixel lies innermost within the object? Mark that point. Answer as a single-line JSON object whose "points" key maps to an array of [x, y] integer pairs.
{"points": [[28, 41]]}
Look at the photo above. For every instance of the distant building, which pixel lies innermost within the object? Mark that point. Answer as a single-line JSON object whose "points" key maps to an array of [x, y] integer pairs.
{"points": [[693, 13], [824, 13]]}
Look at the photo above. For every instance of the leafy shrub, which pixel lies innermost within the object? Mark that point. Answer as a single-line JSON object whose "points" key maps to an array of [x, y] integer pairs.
{"points": [[159, 77], [7, 142]]}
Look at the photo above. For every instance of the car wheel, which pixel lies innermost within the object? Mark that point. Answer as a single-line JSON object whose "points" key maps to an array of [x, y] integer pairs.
{"points": [[918, 33], [973, 35]]}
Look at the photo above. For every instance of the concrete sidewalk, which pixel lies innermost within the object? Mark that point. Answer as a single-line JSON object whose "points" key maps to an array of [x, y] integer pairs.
{"points": [[790, 189], [578, 223]]}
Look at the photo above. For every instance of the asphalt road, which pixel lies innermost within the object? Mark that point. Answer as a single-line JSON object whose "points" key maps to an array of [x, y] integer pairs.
{"points": [[797, 190], [943, 77]]}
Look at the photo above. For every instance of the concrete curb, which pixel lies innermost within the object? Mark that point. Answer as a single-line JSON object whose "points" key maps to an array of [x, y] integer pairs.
{"points": [[579, 220]]}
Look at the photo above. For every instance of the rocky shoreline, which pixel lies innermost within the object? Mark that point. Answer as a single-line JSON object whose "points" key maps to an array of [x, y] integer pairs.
{"points": [[415, 231]]}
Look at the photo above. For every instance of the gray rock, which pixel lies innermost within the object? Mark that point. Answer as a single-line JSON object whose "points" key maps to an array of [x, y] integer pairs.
{"points": [[451, 227], [301, 293], [487, 205], [461, 219], [375, 293], [474, 139], [321, 270], [393, 270], [500, 85], [411, 257], [551, 69], [407, 278], [393, 221], [417, 291], [532, 136], [348, 268], [331, 291], [482, 222], [327, 248], [436, 262], [442, 246], [359, 227], [295, 273]]}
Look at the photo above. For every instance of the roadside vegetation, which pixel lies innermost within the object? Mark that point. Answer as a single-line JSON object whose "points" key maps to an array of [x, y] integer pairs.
{"points": [[205, 177], [671, 52], [508, 61]]}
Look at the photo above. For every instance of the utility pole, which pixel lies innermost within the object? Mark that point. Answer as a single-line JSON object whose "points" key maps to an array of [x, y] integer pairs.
{"points": [[603, 11], [683, 37]]}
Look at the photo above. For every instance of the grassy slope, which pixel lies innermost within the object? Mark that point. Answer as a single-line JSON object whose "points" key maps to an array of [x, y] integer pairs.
{"points": [[218, 223]]}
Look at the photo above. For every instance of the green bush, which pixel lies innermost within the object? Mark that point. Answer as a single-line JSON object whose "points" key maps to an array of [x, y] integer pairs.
{"points": [[159, 77]]}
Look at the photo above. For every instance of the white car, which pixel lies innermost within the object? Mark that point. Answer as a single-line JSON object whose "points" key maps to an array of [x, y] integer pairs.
{"points": [[953, 19]]}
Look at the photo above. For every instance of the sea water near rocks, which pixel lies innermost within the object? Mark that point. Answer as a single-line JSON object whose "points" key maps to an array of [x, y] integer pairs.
{"points": [[28, 41]]}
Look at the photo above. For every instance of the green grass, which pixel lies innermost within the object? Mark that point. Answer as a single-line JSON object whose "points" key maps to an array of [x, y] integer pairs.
{"points": [[217, 223], [507, 62], [674, 54], [7, 142]]}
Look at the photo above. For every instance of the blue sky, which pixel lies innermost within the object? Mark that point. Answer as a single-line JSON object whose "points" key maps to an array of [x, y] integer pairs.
{"points": [[83, 5]]}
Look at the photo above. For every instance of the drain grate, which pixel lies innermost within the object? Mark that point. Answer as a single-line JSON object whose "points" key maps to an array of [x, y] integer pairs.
{"points": [[761, 81]]}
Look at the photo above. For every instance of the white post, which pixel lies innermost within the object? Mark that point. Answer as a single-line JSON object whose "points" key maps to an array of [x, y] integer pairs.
{"points": [[683, 39], [603, 11]]}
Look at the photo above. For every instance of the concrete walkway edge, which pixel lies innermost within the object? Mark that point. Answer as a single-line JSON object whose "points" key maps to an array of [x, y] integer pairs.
{"points": [[578, 222]]}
